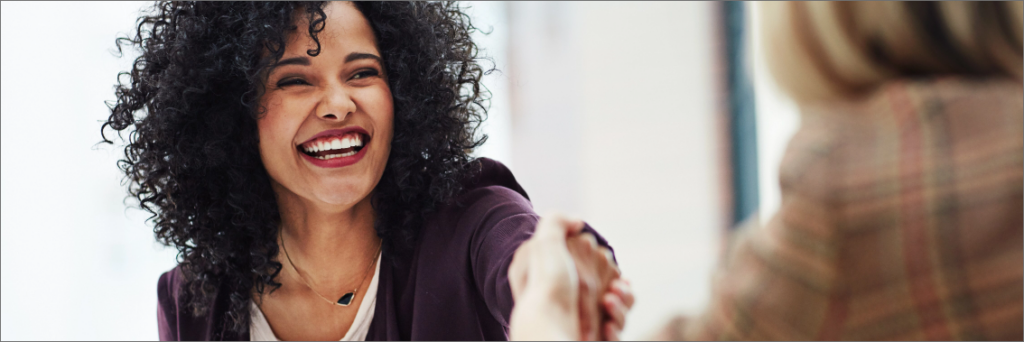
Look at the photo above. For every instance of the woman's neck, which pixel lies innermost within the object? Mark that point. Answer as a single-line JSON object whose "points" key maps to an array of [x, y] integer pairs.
{"points": [[331, 246]]}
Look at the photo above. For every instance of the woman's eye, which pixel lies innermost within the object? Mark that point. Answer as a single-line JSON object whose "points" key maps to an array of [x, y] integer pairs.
{"points": [[291, 81], [365, 74]]}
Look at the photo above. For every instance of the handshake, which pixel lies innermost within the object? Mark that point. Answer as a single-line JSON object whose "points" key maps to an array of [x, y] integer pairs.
{"points": [[566, 286]]}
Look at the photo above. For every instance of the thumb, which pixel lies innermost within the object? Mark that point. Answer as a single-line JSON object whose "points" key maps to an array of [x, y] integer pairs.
{"points": [[555, 226]]}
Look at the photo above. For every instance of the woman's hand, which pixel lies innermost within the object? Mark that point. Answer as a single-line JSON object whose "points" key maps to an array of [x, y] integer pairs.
{"points": [[545, 285], [617, 302], [604, 299], [566, 286]]}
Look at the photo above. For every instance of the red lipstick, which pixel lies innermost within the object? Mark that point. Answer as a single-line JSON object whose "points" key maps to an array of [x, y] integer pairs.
{"points": [[336, 148]]}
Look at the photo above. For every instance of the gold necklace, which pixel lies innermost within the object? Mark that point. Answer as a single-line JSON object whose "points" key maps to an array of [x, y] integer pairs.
{"points": [[345, 299]]}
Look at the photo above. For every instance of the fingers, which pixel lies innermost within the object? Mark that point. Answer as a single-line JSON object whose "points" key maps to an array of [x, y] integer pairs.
{"points": [[556, 226], [609, 255], [535, 256], [590, 315], [610, 259], [545, 285], [624, 290], [611, 333], [586, 247], [548, 287], [590, 240], [616, 303], [597, 271], [616, 310]]}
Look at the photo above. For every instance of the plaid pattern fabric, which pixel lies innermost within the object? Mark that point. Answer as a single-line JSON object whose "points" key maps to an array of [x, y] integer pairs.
{"points": [[901, 218]]}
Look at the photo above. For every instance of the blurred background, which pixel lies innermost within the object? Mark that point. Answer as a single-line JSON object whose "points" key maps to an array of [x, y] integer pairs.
{"points": [[654, 121]]}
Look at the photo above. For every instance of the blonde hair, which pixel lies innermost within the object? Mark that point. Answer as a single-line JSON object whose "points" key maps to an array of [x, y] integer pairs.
{"points": [[819, 51]]}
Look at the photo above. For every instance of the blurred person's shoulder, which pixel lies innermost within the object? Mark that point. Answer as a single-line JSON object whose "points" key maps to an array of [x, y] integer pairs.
{"points": [[916, 126], [944, 135], [965, 108], [920, 172]]}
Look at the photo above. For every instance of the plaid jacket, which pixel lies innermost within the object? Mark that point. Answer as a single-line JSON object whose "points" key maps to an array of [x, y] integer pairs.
{"points": [[901, 218]]}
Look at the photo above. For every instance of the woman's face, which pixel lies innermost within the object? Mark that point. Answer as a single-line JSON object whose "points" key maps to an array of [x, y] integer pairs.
{"points": [[326, 133]]}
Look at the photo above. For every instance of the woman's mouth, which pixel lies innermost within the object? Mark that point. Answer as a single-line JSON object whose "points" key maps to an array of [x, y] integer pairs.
{"points": [[338, 146]]}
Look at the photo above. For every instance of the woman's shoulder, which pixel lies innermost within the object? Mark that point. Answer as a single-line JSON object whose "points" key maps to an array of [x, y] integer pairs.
{"points": [[177, 322], [491, 202], [491, 187], [168, 289], [491, 176]]}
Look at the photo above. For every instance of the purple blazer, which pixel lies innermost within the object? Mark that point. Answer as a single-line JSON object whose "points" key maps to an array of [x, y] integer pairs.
{"points": [[452, 286]]}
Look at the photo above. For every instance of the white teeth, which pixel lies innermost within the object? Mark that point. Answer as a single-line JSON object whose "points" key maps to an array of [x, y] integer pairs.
{"points": [[332, 156], [348, 141]]}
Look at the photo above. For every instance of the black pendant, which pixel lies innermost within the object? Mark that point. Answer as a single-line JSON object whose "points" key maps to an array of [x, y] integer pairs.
{"points": [[346, 299]]}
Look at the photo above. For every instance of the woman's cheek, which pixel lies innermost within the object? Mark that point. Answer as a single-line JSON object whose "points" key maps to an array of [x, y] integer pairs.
{"points": [[378, 104], [389, 114], [274, 129]]}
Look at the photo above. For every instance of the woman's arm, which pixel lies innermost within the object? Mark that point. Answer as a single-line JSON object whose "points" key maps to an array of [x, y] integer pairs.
{"points": [[506, 223]]}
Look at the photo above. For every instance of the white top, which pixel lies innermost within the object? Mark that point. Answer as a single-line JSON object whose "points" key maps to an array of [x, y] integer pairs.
{"points": [[259, 328]]}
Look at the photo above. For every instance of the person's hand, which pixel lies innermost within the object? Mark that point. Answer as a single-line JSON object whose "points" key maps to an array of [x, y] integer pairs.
{"points": [[604, 299], [617, 302], [559, 273], [545, 284]]}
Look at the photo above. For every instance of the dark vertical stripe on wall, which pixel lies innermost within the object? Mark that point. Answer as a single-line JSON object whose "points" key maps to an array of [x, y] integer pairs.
{"points": [[742, 119]]}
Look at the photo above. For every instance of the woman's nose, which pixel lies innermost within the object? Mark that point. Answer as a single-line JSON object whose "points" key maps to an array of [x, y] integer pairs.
{"points": [[336, 104]]}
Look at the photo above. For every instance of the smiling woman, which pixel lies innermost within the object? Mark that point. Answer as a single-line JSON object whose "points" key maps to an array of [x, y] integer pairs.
{"points": [[338, 134]]}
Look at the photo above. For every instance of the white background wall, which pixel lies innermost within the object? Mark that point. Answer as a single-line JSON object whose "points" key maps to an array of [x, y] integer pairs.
{"points": [[603, 110], [777, 119], [76, 264], [614, 112]]}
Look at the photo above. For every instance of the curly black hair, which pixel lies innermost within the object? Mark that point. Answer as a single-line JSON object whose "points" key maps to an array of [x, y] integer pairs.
{"points": [[190, 106]]}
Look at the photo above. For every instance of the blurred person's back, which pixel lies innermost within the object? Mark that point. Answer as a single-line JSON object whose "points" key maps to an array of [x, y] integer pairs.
{"points": [[902, 196]]}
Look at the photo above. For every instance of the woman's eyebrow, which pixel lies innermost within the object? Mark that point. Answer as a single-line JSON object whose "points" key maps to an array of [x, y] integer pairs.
{"points": [[304, 61], [301, 60], [359, 55]]}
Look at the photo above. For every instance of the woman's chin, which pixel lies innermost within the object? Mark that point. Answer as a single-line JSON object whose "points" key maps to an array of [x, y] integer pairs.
{"points": [[342, 197]]}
